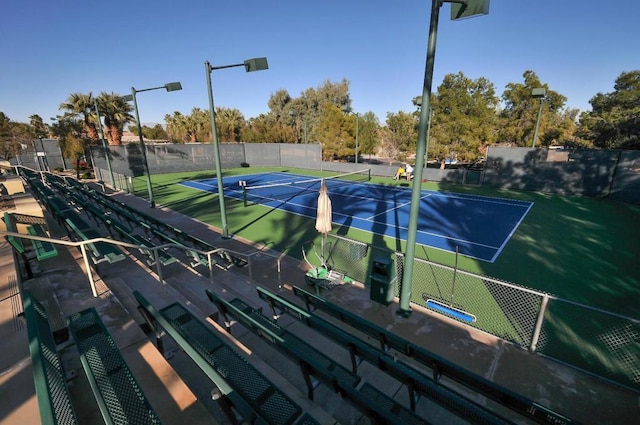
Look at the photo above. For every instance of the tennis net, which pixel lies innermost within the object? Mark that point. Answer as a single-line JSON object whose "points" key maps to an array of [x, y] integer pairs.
{"points": [[286, 191]]}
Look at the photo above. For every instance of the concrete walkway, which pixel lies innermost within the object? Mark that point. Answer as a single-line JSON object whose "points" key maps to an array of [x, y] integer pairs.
{"points": [[181, 393]]}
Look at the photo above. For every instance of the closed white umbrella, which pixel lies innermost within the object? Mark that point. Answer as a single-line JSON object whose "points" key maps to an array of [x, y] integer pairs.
{"points": [[323, 217]]}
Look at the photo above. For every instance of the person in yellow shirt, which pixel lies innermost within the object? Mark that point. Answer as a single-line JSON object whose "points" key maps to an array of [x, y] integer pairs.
{"points": [[399, 173]]}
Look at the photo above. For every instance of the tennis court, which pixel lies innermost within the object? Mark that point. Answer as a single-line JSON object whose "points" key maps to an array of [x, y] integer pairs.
{"points": [[478, 226]]}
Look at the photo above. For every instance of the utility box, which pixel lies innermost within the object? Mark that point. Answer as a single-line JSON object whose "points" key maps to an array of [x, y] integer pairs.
{"points": [[382, 281]]}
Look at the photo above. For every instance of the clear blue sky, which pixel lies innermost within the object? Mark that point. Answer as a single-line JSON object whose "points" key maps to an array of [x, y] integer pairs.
{"points": [[50, 49]]}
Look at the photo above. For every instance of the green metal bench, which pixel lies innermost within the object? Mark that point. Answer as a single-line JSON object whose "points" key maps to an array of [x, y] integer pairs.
{"points": [[439, 365], [90, 208], [102, 251], [196, 258], [52, 393], [371, 401], [415, 380], [44, 249], [58, 207], [163, 257], [119, 396], [244, 387], [15, 242]]}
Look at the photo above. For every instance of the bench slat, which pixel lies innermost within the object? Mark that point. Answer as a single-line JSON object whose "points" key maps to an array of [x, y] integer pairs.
{"points": [[119, 396], [44, 250], [247, 389], [52, 393]]}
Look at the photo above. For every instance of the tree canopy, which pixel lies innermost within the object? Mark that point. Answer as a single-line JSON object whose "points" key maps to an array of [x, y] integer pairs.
{"points": [[467, 116], [614, 122]]}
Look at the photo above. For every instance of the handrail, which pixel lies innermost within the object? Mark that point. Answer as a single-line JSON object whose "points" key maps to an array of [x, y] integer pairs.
{"points": [[82, 244]]}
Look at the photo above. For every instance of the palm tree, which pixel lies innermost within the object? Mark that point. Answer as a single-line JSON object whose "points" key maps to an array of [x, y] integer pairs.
{"points": [[81, 105], [116, 113], [229, 122], [190, 127], [40, 129]]}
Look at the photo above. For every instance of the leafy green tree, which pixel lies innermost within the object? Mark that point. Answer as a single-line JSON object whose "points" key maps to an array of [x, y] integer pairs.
{"points": [[614, 122], [12, 134], [72, 137], [265, 128], [157, 132], [519, 116], [402, 131], [464, 118], [152, 133], [335, 132], [368, 128]]}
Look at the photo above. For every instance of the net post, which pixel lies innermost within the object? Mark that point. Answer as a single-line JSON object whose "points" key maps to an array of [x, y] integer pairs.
{"points": [[243, 185]]}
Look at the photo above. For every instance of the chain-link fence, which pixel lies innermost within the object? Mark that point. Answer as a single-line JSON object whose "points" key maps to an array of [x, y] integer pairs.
{"points": [[600, 342]]}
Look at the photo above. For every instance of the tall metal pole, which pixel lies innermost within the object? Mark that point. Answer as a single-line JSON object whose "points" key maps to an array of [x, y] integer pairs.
{"points": [[216, 153], [412, 231], [104, 144], [152, 203], [535, 133], [357, 119], [305, 130]]}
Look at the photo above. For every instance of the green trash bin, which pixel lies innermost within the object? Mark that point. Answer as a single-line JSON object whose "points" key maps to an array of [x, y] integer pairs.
{"points": [[382, 280]]}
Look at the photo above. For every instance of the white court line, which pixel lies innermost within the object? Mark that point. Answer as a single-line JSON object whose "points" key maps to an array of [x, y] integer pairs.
{"points": [[508, 238], [371, 218]]}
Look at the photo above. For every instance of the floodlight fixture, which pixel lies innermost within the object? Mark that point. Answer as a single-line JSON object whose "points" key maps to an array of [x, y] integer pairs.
{"points": [[537, 93], [463, 9]]}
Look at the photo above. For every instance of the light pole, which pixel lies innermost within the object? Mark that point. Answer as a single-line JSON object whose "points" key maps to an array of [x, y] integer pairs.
{"points": [[104, 144], [348, 110], [250, 65], [417, 101], [459, 10], [538, 93], [169, 87]]}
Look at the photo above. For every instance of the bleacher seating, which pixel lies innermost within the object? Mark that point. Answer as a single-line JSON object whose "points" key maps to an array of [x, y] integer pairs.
{"points": [[243, 386], [439, 365], [373, 402], [415, 380]]}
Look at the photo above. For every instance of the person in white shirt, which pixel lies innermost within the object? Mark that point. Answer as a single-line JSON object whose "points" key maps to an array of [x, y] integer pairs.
{"points": [[408, 170]]}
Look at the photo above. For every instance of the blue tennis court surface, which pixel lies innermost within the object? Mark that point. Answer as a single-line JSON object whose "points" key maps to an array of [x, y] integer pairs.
{"points": [[479, 226]]}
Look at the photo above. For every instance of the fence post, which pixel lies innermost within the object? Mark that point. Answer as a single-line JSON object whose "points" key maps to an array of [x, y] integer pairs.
{"points": [[539, 321]]}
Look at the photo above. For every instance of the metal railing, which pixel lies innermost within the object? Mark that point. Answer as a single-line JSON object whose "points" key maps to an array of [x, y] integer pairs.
{"points": [[252, 259], [597, 341]]}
